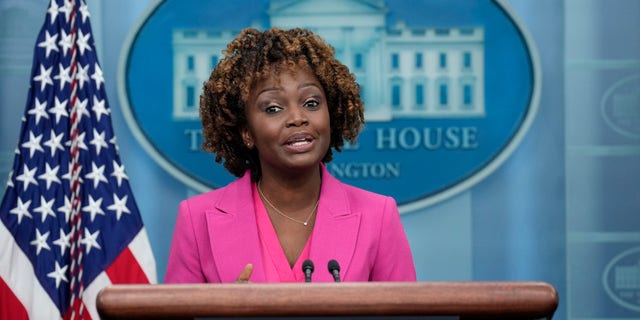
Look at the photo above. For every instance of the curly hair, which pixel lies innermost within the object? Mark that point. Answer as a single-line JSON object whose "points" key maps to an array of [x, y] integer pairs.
{"points": [[254, 56]]}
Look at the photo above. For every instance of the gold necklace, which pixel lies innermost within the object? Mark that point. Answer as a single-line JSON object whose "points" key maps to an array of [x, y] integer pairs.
{"points": [[305, 223]]}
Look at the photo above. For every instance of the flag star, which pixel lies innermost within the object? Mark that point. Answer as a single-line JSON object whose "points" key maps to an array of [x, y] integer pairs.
{"points": [[90, 240], [97, 174], [94, 207], [33, 144], [40, 241], [44, 77], [97, 76], [81, 143], [81, 109], [119, 206], [10, 180], [83, 42], [49, 43], [39, 110], [99, 141], [66, 9], [53, 11], [58, 274], [99, 106], [22, 210], [45, 208], [60, 109], [84, 10], [50, 175], [115, 145], [63, 75], [65, 42], [82, 76], [54, 142], [80, 140], [118, 172], [66, 209], [63, 242], [27, 177]]}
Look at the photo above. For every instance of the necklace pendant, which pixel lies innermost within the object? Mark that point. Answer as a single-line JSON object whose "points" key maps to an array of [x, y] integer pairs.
{"points": [[305, 223]]}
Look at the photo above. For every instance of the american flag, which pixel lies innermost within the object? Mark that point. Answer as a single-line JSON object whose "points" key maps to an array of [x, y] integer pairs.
{"points": [[69, 223]]}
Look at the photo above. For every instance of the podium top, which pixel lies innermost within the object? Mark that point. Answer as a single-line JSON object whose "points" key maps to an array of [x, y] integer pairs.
{"points": [[521, 300]]}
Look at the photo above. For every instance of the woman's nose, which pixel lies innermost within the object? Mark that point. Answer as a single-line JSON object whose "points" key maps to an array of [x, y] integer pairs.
{"points": [[297, 117]]}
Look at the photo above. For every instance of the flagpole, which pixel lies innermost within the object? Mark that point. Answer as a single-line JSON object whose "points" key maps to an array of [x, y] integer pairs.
{"points": [[77, 285]]}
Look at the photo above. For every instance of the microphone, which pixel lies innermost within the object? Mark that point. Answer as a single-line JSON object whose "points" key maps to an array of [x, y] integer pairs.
{"points": [[307, 268], [334, 269]]}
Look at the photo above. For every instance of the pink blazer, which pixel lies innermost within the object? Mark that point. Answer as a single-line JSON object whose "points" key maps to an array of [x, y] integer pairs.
{"points": [[216, 235]]}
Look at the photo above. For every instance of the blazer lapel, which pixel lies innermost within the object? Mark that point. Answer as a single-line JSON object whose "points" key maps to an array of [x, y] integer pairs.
{"points": [[233, 232], [336, 229]]}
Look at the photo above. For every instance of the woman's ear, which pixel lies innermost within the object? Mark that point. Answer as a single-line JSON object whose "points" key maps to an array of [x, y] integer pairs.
{"points": [[246, 138]]}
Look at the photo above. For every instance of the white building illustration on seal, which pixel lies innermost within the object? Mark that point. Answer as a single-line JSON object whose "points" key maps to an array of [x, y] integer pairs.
{"points": [[404, 72]]}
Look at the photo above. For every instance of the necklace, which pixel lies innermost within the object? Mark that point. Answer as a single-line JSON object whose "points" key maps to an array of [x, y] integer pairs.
{"points": [[305, 222]]}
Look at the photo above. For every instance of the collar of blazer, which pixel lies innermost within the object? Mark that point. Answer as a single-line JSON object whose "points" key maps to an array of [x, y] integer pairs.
{"points": [[233, 231]]}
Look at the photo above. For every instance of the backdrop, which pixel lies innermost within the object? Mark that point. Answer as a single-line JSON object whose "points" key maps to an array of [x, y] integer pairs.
{"points": [[563, 206]]}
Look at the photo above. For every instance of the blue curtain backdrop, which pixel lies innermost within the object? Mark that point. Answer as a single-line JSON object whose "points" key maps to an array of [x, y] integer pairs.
{"points": [[563, 208]]}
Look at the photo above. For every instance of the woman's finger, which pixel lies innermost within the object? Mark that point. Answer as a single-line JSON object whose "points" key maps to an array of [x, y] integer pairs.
{"points": [[246, 273]]}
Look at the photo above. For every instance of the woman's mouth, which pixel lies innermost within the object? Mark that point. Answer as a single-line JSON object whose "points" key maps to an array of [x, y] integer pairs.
{"points": [[300, 142]]}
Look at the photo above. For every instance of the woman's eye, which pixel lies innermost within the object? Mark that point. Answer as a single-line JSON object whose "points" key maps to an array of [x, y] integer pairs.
{"points": [[272, 109], [312, 104]]}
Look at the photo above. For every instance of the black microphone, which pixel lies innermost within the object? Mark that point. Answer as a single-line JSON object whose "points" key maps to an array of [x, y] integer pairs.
{"points": [[307, 268], [334, 269]]}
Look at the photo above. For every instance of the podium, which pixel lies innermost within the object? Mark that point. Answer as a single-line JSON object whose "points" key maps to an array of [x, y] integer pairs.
{"points": [[456, 300]]}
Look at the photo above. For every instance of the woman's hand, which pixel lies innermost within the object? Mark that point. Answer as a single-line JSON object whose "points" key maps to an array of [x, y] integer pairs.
{"points": [[245, 274]]}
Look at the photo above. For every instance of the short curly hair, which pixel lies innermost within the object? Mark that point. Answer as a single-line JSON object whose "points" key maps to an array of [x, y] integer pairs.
{"points": [[254, 56]]}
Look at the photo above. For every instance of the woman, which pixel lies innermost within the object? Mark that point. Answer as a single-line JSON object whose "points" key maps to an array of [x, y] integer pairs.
{"points": [[272, 111]]}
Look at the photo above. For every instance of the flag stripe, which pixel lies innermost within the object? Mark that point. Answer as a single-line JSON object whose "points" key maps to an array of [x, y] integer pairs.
{"points": [[25, 287], [75, 312], [125, 269], [12, 308], [140, 247], [91, 293]]}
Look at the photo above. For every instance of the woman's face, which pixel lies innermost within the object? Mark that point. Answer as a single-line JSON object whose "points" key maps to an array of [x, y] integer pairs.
{"points": [[288, 121]]}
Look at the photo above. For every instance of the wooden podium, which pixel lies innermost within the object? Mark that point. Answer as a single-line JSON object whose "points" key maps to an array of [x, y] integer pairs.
{"points": [[459, 300]]}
